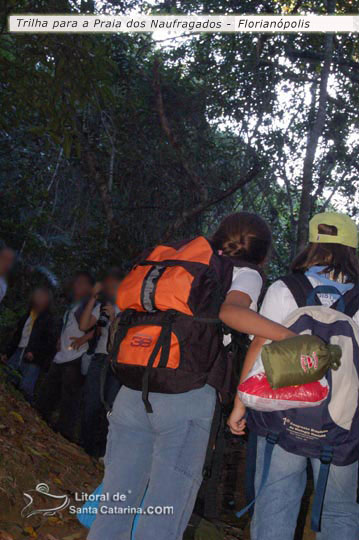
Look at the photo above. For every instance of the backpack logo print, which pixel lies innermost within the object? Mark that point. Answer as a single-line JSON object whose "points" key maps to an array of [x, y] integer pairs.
{"points": [[309, 362], [141, 340]]}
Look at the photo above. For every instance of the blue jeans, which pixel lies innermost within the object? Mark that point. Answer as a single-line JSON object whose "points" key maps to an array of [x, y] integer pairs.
{"points": [[277, 507], [30, 373], [156, 461]]}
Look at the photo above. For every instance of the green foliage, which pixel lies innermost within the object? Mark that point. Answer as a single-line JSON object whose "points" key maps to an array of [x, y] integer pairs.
{"points": [[89, 176]]}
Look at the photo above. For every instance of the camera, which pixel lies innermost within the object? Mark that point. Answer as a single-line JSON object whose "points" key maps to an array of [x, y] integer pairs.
{"points": [[103, 319]]}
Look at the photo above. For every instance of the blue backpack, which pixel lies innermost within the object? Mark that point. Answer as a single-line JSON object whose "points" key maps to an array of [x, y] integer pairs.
{"points": [[329, 432]]}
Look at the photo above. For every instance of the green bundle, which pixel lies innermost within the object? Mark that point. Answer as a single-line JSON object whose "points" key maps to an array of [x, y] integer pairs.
{"points": [[299, 360]]}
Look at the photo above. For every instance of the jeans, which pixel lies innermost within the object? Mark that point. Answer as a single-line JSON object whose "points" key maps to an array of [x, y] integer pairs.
{"points": [[94, 421], [62, 386], [157, 459], [30, 373], [277, 507]]}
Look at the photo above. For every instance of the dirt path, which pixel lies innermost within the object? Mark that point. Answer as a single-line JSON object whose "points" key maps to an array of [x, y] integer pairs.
{"points": [[31, 454]]}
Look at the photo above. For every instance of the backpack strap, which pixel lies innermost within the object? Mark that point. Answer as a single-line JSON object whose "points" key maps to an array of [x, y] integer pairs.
{"points": [[339, 305], [326, 459], [250, 471], [305, 293], [110, 360], [351, 300], [300, 287], [163, 344], [216, 427], [271, 441], [103, 377], [208, 501]]}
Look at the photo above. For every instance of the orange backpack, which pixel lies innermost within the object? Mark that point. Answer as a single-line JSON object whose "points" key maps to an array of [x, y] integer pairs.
{"points": [[169, 337]]}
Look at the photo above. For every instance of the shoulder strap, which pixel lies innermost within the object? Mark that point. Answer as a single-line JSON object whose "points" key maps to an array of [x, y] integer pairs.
{"points": [[250, 470], [300, 287], [271, 441], [326, 457], [351, 300]]}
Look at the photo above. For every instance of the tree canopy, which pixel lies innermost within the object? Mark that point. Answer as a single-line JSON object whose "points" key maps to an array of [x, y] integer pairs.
{"points": [[110, 143]]}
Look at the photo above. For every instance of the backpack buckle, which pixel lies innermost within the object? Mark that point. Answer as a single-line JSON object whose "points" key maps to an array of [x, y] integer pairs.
{"points": [[125, 317], [169, 316], [326, 455], [272, 438]]}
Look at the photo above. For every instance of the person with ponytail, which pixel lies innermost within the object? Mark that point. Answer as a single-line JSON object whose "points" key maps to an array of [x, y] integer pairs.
{"points": [[247, 239], [156, 454]]}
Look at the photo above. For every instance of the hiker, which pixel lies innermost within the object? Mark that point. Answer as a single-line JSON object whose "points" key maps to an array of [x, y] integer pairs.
{"points": [[7, 258], [99, 312], [162, 415], [328, 261], [64, 380], [33, 343]]}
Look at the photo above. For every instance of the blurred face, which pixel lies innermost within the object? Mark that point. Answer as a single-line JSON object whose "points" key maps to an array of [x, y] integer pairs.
{"points": [[40, 300], [81, 287], [7, 258], [110, 286]]}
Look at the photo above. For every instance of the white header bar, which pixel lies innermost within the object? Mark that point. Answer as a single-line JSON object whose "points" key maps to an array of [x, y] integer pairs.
{"points": [[183, 24]]}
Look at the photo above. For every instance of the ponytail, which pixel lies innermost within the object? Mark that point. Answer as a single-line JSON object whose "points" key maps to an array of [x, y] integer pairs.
{"points": [[245, 236]]}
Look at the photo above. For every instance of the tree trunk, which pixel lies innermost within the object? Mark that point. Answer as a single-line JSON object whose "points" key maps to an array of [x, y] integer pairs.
{"points": [[315, 132]]}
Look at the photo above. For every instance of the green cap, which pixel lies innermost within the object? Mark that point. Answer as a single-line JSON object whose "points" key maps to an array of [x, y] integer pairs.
{"points": [[346, 228]]}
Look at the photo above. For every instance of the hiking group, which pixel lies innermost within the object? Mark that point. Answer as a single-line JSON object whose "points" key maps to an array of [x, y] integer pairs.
{"points": [[152, 347]]}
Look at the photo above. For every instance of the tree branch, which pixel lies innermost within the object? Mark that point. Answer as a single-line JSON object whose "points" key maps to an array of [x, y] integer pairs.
{"points": [[201, 207], [174, 142], [100, 180]]}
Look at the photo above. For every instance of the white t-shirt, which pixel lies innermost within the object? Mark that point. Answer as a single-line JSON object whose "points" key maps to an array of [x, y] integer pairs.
{"points": [[70, 329], [3, 288], [279, 302], [247, 281], [101, 347], [26, 333]]}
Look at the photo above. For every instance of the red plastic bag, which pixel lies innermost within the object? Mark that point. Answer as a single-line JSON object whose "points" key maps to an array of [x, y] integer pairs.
{"points": [[256, 393]]}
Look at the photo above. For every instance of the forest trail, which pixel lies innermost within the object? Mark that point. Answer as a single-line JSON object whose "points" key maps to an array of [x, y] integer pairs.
{"points": [[31, 454]]}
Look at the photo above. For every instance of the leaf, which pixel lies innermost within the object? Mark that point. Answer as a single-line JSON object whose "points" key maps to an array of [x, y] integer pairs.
{"points": [[34, 452], [29, 531], [53, 520], [17, 416]]}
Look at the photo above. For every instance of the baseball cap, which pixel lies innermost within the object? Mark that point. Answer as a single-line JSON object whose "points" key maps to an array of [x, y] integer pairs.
{"points": [[346, 229]]}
